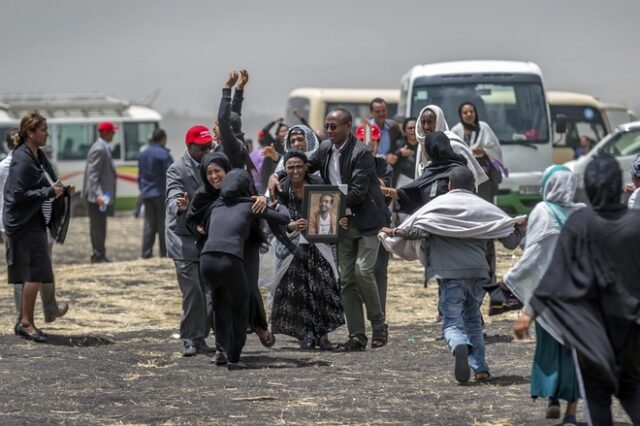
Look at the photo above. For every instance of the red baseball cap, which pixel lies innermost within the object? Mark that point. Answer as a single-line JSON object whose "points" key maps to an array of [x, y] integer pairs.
{"points": [[107, 127], [200, 135]]}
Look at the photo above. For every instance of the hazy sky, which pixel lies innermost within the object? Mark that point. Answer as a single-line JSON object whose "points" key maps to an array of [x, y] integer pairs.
{"points": [[129, 48]]}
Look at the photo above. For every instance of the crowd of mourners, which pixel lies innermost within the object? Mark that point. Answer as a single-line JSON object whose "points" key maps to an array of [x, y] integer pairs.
{"points": [[417, 190]]}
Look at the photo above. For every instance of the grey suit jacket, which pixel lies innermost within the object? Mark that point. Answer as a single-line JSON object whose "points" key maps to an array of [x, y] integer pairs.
{"points": [[99, 174], [182, 176]]}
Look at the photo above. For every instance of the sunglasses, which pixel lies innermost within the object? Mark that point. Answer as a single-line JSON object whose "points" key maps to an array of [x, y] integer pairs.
{"points": [[331, 126]]}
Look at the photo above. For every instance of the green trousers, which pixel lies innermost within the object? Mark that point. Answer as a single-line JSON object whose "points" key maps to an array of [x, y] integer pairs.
{"points": [[357, 256]]}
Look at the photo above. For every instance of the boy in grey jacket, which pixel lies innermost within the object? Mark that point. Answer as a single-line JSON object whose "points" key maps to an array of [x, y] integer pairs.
{"points": [[461, 268]]}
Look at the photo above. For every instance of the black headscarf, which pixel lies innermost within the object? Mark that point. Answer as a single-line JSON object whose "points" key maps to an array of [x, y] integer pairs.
{"points": [[200, 207], [476, 124], [236, 186], [294, 153], [438, 148], [443, 159], [603, 182], [220, 160]]}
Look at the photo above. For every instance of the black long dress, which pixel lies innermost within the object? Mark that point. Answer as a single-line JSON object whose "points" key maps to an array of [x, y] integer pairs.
{"points": [[307, 303]]}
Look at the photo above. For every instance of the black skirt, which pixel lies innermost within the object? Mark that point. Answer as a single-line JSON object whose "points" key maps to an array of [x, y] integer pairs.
{"points": [[28, 258]]}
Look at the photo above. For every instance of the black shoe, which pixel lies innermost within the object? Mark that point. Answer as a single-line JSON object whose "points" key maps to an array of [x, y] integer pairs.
{"points": [[190, 349], [380, 336], [308, 343], [352, 345], [325, 344], [461, 371], [234, 366], [219, 359], [38, 337], [203, 349]]}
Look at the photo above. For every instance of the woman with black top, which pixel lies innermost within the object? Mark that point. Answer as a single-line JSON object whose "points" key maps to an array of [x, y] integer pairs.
{"points": [[222, 262], [29, 194], [404, 170]]}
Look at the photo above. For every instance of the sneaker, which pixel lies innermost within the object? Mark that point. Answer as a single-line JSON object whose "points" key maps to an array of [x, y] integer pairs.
{"points": [[325, 344], [352, 345], [569, 420], [462, 372], [308, 343]]}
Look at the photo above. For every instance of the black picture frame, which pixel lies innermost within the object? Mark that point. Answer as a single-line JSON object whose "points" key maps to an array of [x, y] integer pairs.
{"points": [[316, 232]]}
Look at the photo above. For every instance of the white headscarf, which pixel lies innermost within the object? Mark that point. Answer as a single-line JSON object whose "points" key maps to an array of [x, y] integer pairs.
{"points": [[486, 140], [458, 145], [312, 143]]}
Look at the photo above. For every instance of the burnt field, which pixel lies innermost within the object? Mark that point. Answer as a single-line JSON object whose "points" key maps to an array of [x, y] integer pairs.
{"points": [[114, 359]]}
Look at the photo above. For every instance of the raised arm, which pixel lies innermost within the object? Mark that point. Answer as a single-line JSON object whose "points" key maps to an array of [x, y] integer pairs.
{"points": [[238, 95], [231, 146]]}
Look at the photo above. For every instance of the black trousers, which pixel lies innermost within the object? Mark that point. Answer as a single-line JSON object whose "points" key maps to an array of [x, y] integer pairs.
{"points": [[154, 213], [225, 275], [599, 391], [98, 230], [257, 316]]}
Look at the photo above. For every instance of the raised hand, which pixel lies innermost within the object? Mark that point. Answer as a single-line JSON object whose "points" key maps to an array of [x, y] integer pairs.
{"points": [[243, 80], [231, 79]]}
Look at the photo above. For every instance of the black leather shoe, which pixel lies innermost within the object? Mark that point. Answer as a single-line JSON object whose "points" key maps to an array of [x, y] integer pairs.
{"points": [[236, 366], [38, 337], [189, 349]]}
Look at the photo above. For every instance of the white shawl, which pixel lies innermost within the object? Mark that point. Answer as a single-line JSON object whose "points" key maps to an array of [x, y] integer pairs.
{"points": [[486, 140], [459, 214]]}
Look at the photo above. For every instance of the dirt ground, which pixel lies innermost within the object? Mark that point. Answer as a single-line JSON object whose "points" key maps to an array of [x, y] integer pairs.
{"points": [[114, 358]]}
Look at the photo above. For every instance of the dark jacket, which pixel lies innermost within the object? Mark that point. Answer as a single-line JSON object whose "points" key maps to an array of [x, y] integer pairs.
{"points": [[25, 191], [232, 143], [384, 171], [229, 224], [153, 164], [358, 171]]}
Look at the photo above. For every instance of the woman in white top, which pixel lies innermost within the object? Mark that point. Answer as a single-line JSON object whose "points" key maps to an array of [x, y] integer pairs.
{"points": [[485, 146]]}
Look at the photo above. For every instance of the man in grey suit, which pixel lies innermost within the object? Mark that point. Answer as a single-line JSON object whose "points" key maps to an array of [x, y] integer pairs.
{"points": [[99, 189], [183, 179]]}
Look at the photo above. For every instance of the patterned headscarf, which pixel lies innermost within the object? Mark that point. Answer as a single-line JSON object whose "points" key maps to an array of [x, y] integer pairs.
{"points": [[635, 166]]}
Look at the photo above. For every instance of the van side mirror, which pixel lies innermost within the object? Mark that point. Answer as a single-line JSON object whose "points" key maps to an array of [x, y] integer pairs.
{"points": [[561, 123]]}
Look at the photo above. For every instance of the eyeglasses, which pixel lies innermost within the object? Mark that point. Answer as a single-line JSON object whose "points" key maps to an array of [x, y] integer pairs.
{"points": [[331, 126]]}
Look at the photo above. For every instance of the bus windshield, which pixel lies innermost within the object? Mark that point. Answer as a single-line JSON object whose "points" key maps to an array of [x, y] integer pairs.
{"points": [[517, 112], [581, 121]]}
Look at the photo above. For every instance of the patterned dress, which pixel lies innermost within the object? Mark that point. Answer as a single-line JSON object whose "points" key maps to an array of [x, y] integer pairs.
{"points": [[307, 301]]}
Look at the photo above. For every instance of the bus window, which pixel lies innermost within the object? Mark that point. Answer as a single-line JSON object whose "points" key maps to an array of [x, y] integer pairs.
{"points": [[136, 135], [515, 111], [581, 121], [3, 145], [73, 141]]}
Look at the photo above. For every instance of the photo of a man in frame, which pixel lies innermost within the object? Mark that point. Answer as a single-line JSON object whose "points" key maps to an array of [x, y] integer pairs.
{"points": [[323, 219]]}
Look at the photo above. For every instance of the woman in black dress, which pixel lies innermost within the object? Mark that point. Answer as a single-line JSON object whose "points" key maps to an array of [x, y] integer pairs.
{"points": [[307, 303], [222, 261], [29, 194]]}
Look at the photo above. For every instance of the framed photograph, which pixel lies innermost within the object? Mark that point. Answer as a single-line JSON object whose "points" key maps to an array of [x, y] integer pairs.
{"points": [[323, 207]]}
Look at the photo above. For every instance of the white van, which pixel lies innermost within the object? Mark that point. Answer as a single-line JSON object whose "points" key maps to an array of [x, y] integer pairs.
{"points": [[315, 103], [510, 97], [73, 121], [623, 144]]}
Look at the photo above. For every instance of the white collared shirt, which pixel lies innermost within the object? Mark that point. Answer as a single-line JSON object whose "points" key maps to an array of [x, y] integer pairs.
{"points": [[334, 164]]}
